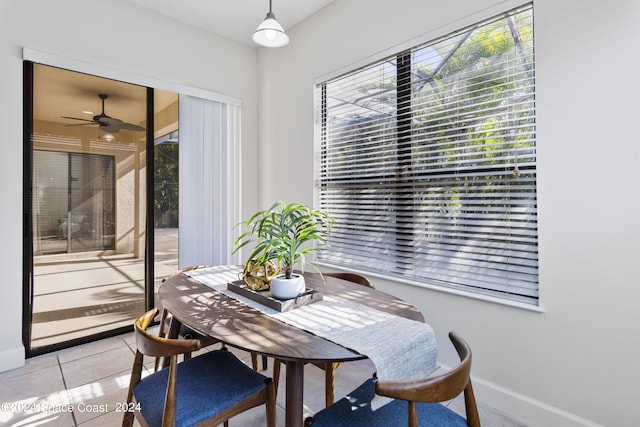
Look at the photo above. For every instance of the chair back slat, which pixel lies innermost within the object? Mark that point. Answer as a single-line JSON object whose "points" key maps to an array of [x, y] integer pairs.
{"points": [[151, 345], [437, 388], [351, 277]]}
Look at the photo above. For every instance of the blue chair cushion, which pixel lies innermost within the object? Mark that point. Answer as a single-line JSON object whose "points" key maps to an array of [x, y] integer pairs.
{"points": [[354, 410], [207, 385]]}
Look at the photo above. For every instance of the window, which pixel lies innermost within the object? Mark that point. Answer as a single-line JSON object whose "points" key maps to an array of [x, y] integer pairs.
{"points": [[73, 199], [428, 164]]}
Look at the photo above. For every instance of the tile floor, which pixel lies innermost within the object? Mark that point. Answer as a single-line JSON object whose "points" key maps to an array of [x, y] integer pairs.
{"points": [[92, 379]]}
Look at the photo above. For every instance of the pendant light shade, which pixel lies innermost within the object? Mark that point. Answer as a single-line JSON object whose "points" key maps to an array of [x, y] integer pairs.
{"points": [[270, 33]]}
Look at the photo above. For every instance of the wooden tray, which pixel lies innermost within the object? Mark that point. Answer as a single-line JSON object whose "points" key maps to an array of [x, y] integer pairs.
{"points": [[264, 297]]}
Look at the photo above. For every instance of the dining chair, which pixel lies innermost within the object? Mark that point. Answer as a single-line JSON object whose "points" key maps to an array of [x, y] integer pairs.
{"points": [[206, 390], [330, 367], [415, 403], [187, 332], [351, 277]]}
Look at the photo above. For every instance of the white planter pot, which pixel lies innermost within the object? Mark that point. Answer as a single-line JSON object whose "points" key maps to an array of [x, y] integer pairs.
{"points": [[282, 288]]}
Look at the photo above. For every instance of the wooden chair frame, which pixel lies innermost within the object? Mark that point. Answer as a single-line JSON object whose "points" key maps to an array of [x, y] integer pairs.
{"points": [[439, 388], [154, 346], [435, 389]]}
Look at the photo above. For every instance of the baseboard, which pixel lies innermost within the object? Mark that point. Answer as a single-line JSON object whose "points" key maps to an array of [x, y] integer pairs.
{"points": [[524, 409], [12, 358]]}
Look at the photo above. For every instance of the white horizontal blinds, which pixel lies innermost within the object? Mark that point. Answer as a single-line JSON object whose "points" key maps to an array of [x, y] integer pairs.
{"points": [[453, 202], [357, 175]]}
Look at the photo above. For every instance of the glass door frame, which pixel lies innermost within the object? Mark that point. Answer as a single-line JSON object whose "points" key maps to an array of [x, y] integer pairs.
{"points": [[30, 55], [27, 250]]}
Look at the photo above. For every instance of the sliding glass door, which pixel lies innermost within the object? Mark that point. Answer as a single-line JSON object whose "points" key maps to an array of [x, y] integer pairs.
{"points": [[105, 179], [73, 202], [88, 207]]}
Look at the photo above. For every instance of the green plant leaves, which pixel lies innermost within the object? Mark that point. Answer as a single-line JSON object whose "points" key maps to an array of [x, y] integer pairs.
{"points": [[280, 233]]}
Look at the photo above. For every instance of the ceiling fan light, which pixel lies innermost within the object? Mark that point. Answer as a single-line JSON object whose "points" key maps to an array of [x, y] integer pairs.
{"points": [[270, 33]]}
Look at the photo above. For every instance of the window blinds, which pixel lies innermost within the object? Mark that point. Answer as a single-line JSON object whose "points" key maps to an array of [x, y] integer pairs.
{"points": [[427, 162]]}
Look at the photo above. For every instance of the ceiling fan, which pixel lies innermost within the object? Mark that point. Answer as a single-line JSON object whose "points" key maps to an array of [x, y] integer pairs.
{"points": [[106, 123]]}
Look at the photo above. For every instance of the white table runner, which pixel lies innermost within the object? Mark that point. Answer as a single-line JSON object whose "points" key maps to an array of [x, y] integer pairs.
{"points": [[401, 349]]}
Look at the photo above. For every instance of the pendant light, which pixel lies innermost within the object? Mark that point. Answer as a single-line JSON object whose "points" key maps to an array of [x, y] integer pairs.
{"points": [[270, 33]]}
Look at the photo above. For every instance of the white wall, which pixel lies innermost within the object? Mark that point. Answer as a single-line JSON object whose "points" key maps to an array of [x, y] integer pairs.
{"points": [[117, 35], [574, 363]]}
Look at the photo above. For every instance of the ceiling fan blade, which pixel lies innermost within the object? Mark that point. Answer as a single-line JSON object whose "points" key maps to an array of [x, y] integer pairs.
{"points": [[130, 126], [81, 124], [106, 123], [77, 118]]}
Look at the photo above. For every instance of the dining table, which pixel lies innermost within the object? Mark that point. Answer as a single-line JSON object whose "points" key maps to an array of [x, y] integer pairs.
{"points": [[201, 300]]}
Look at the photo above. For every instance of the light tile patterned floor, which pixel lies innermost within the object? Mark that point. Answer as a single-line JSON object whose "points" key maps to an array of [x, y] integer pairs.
{"points": [[92, 379]]}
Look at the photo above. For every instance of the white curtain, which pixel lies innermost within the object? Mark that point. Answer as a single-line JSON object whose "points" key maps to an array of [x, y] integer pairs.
{"points": [[209, 184]]}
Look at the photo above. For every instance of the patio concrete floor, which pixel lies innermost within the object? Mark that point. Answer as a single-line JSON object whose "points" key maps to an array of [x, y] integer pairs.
{"points": [[79, 296]]}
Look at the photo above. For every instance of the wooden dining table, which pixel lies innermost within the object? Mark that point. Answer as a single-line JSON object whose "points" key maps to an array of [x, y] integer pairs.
{"points": [[215, 314]]}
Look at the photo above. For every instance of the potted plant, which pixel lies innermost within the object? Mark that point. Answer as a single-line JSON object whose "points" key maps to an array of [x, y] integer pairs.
{"points": [[284, 234]]}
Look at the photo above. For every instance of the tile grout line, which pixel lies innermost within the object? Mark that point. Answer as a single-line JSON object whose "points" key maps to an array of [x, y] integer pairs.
{"points": [[64, 383], [126, 345]]}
